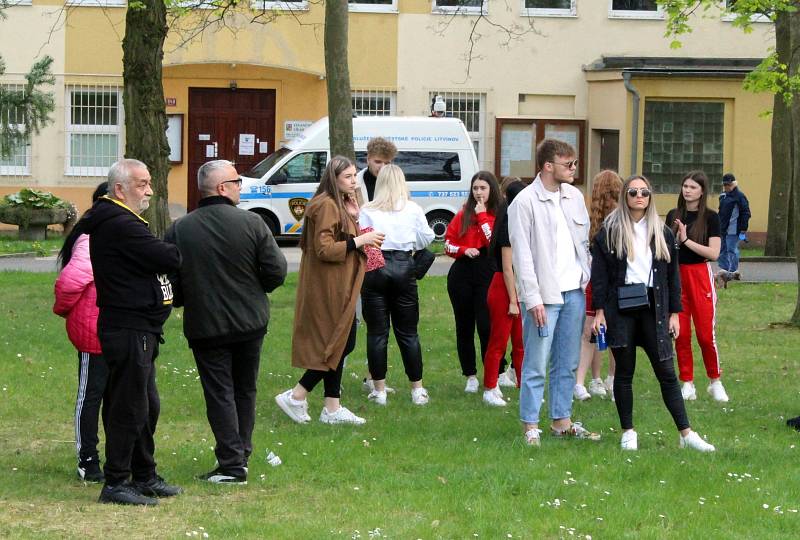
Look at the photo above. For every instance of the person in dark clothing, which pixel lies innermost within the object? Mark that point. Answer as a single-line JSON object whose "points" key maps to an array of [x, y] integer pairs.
{"points": [[380, 152], [635, 251], [734, 218], [134, 297], [230, 260]]}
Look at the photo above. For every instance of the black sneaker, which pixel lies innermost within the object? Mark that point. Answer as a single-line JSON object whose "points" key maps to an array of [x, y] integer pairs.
{"points": [[156, 487], [125, 494], [89, 471], [218, 476], [794, 423]]}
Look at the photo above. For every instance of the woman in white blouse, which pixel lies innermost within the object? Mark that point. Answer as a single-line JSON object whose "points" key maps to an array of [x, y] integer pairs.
{"points": [[636, 253], [390, 292]]}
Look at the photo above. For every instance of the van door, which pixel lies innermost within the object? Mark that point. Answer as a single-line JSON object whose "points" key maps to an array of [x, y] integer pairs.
{"points": [[292, 185]]}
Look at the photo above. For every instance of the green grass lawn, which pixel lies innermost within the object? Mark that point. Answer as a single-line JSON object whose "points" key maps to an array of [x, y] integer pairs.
{"points": [[9, 244], [454, 469]]}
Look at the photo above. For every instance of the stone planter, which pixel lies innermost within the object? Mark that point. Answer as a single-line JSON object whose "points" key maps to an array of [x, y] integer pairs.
{"points": [[32, 222]]}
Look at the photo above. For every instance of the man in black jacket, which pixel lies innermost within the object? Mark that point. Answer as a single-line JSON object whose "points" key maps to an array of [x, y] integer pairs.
{"points": [[230, 260], [134, 296]]}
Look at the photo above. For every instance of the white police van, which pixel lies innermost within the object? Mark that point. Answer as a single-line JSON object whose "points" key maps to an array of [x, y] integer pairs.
{"points": [[436, 155]]}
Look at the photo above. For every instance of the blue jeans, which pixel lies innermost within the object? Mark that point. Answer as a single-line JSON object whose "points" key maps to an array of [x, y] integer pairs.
{"points": [[561, 347], [729, 253]]}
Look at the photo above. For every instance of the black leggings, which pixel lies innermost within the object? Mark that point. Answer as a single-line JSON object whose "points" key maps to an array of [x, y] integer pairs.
{"points": [[332, 378], [643, 334], [389, 294], [467, 285]]}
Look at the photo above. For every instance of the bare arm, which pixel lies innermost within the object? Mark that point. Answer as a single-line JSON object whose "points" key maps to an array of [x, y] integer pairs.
{"points": [[509, 280]]}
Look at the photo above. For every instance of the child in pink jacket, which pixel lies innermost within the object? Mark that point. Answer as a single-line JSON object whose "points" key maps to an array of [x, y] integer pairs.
{"points": [[76, 300]]}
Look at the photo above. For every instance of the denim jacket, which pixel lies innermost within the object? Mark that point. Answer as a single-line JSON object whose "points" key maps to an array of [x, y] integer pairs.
{"points": [[532, 231]]}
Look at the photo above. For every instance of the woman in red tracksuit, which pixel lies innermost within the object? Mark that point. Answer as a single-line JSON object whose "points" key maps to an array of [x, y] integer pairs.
{"points": [[76, 300], [503, 307], [467, 241], [697, 231]]}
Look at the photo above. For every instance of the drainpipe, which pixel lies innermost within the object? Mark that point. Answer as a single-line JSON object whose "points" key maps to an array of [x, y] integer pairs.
{"points": [[626, 79]]}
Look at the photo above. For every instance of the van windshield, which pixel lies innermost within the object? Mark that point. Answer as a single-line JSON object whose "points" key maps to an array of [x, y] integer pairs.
{"points": [[261, 168]]}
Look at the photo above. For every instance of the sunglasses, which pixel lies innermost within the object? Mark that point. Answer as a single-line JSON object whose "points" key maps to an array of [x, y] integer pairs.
{"points": [[567, 164], [633, 192], [237, 181]]}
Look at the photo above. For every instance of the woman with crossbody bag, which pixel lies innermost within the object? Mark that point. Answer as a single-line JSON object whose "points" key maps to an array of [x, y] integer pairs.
{"points": [[636, 295]]}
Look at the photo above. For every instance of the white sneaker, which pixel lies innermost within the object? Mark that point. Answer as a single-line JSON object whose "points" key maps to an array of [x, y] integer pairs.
{"points": [[369, 385], [378, 397], [717, 391], [629, 441], [342, 415], [596, 388], [695, 442], [419, 396], [296, 410], [472, 385], [494, 397], [609, 384], [533, 437], [688, 391], [508, 378], [580, 393]]}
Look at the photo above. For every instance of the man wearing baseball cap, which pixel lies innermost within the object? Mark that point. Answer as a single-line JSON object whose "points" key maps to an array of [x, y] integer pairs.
{"points": [[734, 216]]}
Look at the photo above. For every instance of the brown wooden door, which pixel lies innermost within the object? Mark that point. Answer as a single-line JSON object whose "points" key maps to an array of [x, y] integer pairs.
{"points": [[228, 124]]}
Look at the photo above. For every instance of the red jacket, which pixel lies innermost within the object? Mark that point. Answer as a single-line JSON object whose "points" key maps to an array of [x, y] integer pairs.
{"points": [[478, 235], [76, 298]]}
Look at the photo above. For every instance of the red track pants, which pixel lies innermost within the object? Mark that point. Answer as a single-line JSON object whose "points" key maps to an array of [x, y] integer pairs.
{"points": [[699, 299], [503, 326]]}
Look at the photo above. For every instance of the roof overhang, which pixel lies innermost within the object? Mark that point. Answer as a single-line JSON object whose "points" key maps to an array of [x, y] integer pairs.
{"points": [[671, 67]]}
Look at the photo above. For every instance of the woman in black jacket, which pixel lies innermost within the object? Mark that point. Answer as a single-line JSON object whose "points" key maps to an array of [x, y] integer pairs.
{"points": [[634, 253]]}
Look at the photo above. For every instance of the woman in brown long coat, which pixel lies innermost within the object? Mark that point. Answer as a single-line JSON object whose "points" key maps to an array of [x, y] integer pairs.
{"points": [[331, 272]]}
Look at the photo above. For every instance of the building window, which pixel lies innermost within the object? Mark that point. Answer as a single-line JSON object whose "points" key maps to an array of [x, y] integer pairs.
{"points": [[373, 6], [18, 162], [681, 136], [470, 108], [100, 3], [635, 9], [94, 130], [460, 6], [280, 5], [549, 8], [374, 102], [729, 15]]}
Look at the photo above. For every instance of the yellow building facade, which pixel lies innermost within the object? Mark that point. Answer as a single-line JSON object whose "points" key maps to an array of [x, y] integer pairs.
{"points": [[601, 77]]}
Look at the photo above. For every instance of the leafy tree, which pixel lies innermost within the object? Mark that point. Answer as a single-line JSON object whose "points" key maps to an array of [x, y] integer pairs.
{"points": [[24, 111], [778, 73]]}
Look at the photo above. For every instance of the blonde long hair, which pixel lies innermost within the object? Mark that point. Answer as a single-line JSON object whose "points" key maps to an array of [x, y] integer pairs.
{"points": [[391, 190], [619, 225]]}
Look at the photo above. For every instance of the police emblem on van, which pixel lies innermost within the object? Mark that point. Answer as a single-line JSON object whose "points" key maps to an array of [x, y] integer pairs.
{"points": [[297, 206]]}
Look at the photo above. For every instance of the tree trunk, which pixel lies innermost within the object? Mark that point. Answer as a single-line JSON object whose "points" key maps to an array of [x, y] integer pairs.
{"points": [[780, 233], [145, 116], [794, 195], [337, 71]]}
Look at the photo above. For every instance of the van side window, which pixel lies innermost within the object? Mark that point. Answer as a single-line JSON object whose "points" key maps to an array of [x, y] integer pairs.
{"points": [[423, 166], [304, 168]]}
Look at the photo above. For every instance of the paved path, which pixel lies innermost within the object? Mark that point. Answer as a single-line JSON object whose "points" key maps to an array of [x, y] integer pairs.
{"points": [[751, 271]]}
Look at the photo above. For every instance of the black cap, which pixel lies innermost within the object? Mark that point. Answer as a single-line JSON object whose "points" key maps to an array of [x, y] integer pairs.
{"points": [[728, 178]]}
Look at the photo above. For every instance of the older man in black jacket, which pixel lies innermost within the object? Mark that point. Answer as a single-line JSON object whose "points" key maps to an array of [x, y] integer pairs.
{"points": [[230, 260], [134, 297]]}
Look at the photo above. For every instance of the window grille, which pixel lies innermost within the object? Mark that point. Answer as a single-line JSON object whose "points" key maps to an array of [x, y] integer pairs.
{"points": [[94, 126], [374, 102]]}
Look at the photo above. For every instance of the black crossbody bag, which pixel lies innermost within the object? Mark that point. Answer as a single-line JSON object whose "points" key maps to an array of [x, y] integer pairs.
{"points": [[633, 297]]}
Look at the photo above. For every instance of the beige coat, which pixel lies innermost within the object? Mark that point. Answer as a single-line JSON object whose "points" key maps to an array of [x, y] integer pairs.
{"points": [[327, 289]]}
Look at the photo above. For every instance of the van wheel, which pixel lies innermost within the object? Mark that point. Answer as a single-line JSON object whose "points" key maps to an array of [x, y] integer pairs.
{"points": [[438, 221], [270, 220]]}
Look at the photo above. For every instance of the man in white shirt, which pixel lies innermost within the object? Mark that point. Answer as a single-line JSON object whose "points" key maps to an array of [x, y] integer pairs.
{"points": [[549, 232]]}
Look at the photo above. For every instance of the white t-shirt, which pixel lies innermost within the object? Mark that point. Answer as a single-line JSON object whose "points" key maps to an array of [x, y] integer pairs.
{"points": [[568, 268], [405, 230], [639, 269]]}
